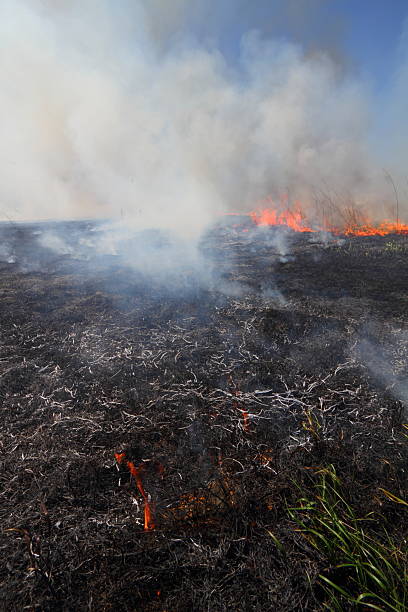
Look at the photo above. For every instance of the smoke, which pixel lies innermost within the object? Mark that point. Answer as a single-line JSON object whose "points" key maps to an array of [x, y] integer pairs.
{"points": [[53, 242], [385, 356], [113, 109]]}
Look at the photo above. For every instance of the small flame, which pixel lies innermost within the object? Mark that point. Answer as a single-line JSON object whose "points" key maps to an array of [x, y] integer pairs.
{"points": [[119, 457], [136, 472], [149, 523]]}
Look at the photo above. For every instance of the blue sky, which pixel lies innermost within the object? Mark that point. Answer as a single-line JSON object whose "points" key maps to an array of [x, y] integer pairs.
{"points": [[372, 34], [364, 35]]}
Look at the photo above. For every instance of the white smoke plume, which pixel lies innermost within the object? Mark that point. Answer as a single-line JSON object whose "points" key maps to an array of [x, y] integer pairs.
{"points": [[115, 108]]}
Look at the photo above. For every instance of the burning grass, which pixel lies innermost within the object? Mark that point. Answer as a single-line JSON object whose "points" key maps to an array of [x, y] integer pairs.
{"points": [[153, 441], [327, 217]]}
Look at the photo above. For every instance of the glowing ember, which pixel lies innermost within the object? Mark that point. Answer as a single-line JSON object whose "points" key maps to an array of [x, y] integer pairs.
{"points": [[265, 458], [245, 420], [191, 506], [237, 405]]}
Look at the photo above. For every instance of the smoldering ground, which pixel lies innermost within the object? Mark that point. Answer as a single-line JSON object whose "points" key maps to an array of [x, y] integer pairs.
{"points": [[161, 262], [167, 382]]}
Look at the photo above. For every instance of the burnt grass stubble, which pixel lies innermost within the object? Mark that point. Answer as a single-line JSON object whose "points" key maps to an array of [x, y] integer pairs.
{"points": [[96, 359]]}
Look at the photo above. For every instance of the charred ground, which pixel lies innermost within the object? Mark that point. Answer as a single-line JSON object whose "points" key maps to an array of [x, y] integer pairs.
{"points": [[232, 393]]}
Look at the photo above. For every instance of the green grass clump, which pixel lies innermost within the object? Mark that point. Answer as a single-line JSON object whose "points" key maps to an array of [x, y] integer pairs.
{"points": [[367, 568], [398, 248]]}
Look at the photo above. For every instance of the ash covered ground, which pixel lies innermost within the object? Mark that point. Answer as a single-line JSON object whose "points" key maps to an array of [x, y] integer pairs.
{"points": [[231, 376]]}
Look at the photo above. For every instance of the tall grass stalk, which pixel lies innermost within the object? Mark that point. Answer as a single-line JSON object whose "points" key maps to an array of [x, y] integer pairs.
{"points": [[367, 568]]}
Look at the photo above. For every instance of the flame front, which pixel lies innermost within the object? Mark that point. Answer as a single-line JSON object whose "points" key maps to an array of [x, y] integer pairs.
{"points": [[295, 217], [382, 229]]}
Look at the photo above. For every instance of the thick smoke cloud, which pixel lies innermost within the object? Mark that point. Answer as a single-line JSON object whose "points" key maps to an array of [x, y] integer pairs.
{"points": [[113, 109]]}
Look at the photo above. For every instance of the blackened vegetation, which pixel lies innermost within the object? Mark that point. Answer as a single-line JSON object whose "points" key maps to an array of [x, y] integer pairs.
{"points": [[228, 393]]}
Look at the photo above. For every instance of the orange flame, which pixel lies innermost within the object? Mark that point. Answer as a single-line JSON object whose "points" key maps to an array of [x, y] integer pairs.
{"points": [[149, 523], [119, 457], [290, 218], [136, 473], [294, 217], [382, 229], [148, 514]]}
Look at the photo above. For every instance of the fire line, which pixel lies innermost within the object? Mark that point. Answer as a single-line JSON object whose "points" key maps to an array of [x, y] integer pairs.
{"points": [[295, 217]]}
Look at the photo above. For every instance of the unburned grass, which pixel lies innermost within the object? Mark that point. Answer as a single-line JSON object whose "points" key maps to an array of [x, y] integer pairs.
{"points": [[367, 568]]}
